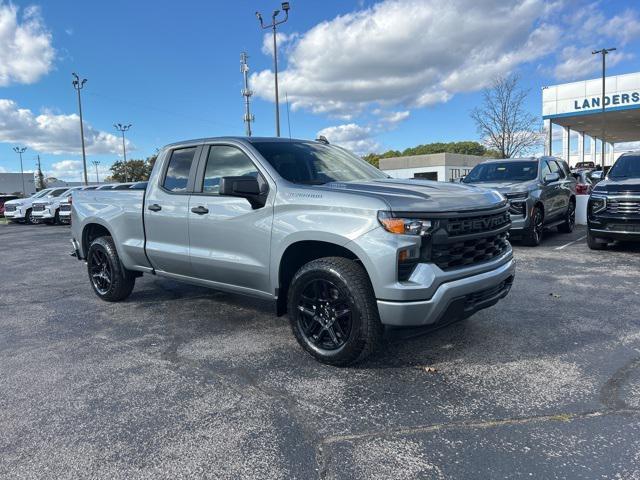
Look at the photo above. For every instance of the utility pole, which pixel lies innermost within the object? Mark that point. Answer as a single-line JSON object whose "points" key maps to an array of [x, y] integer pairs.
{"points": [[123, 128], [246, 93], [95, 164], [273, 25], [79, 85], [604, 53], [20, 151], [39, 175], [286, 97]]}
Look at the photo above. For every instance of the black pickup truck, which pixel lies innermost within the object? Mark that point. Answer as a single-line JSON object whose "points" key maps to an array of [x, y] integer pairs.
{"points": [[613, 211]]}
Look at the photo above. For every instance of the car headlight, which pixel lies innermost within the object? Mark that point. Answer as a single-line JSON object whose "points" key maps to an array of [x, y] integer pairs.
{"points": [[403, 225], [597, 204]]}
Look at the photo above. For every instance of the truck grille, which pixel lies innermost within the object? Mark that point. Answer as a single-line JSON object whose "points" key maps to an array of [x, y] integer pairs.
{"points": [[469, 252], [65, 207], [623, 206], [463, 239], [10, 208], [37, 207]]}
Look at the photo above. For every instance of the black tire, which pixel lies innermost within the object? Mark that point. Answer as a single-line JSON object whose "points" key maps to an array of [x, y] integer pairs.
{"points": [[28, 219], [344, 311], [569, 218], [56, 219], [595, 243], [109, 279], [532, 235]]}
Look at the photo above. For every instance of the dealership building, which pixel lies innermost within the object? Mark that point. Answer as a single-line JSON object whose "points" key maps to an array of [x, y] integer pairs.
{"points": [[575, 126]]}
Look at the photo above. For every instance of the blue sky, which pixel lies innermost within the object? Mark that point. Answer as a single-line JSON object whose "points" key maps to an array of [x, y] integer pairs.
{"points": [[369, 75]]}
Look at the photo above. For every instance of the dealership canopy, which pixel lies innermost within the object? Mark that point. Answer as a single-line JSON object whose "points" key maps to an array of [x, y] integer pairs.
{"points": [[577, 107]]}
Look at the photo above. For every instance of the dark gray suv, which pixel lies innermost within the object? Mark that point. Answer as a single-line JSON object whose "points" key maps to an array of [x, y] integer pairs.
{"points": [[541, 193]]}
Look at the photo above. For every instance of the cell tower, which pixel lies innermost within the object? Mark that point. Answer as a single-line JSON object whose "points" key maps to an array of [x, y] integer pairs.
{"points": [[246, 93]]}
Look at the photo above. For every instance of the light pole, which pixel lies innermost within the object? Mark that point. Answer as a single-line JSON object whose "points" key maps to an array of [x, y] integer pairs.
{"points": [[20, 151], [79, 85], [273, 25], [123, 128], [95, 164], [604, 53]]}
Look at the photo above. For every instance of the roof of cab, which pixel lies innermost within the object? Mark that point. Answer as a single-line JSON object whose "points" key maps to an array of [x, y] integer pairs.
{"points": [[199, 141]]}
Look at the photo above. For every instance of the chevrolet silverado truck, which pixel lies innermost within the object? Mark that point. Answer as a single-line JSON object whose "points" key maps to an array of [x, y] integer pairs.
{"points": [[613, 210], [19, 210], [336, 244], [541, 193]]}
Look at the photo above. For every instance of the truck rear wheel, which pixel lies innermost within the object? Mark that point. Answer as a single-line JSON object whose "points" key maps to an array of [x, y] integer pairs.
{"points": [[109, 279], [532, 235], [570, 219], [333, 311]]}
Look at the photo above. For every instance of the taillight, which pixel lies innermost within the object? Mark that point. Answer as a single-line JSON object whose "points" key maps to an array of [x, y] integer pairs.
{"points": [[582, 189]]}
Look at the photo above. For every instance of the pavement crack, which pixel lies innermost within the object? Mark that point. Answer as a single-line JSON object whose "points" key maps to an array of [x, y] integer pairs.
{"points": [[610, 393]]}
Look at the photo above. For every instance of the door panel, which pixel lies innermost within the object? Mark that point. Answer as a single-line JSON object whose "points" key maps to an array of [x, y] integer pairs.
{"points": [[166, 212], [230, 242]]}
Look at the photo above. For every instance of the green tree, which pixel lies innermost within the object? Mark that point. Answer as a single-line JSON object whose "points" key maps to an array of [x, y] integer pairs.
{"points": [[131, 171]]}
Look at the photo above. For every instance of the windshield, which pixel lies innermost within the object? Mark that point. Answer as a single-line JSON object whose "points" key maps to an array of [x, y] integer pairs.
{"points": [[316, 164], [514, 171], [41, 193], [627, 166]]}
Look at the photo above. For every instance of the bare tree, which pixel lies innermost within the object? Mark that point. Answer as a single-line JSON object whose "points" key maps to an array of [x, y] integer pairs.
{"points": [[502, 121]]}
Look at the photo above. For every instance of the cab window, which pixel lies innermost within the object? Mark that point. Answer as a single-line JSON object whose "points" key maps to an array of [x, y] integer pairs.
{"points": [[177, 176], [225, 161]]}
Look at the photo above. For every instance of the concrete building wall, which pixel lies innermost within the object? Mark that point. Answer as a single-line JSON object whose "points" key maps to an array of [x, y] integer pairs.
{"points": [[11, 183], [445, 166]]}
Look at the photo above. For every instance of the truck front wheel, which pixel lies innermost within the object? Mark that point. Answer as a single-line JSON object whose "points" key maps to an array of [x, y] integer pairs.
{"points": [[109, 279], [333, 311]]}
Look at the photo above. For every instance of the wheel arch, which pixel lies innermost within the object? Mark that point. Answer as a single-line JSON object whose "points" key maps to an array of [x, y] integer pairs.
{"points": [[298, 254]]}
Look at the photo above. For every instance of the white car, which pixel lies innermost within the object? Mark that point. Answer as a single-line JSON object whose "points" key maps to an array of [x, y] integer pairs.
{"points": [[46, 209], [19, 210]]}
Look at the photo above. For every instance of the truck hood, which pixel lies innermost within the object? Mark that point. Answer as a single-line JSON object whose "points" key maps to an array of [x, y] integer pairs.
{"points": [[17, 201], [621, 186], [421, 195]]}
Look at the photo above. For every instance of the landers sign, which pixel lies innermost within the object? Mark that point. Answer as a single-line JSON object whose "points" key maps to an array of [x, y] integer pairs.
{"points": [[620, 99]]}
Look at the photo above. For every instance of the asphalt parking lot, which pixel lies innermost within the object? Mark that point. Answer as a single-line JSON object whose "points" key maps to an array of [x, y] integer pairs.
{"points": [[184, 382]]}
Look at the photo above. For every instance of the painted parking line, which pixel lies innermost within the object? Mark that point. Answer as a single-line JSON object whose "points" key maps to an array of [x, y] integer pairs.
{"points": [[570, 243]]}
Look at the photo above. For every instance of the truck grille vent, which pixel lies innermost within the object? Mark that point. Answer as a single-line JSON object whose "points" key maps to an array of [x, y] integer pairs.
{"points": [[623, 207], [37, 208], [469, 252], [65, 207], [10, 208]]}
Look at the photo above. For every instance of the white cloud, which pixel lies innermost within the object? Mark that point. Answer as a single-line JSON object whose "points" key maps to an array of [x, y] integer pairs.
{"points": [[352, 137], [283, 40], [71, 170], [413, 53], [26, 53], [53, 133]]}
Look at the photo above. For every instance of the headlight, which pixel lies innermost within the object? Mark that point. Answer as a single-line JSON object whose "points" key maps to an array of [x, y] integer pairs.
{"points": [[518, 196], [597, 204], [404, 226]]}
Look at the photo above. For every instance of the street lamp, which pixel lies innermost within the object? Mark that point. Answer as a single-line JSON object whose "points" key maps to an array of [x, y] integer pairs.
{"points": [[123, 128], [604, 53], [95, 164], [20, 151], [79, 85], [273, 25]]}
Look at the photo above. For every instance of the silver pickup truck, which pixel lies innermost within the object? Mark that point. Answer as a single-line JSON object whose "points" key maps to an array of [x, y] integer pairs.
{"points": [[331, 240]]}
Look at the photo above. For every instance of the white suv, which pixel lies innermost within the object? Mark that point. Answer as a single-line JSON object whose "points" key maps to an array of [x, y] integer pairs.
{"points": [[46, 209], [19, 210]]}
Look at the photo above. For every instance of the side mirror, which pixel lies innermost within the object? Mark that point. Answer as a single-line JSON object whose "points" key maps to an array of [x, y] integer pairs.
{"points": [[244, 187], [597, 175], [551, 177]]}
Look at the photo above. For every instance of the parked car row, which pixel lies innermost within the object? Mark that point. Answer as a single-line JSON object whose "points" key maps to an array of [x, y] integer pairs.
{"points": [[53, 205]]}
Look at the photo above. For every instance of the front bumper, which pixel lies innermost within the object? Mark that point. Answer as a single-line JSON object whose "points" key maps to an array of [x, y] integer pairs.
{"points": [[615, 228], [15, 215], [452, 300], [43, 214]]}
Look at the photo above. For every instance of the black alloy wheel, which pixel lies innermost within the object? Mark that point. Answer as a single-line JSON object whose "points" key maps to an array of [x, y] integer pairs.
{"points": [[100, 271], [570, 220], [324, 315]]}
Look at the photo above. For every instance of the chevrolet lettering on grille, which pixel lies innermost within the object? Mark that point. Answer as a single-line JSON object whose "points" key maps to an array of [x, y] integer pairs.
{"points": [[473, 225]]}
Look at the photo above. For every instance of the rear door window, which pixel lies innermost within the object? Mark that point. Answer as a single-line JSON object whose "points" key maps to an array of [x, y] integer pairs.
{"points": [[176, 177]]}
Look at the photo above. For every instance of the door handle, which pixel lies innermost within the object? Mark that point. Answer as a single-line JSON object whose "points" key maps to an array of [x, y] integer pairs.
{"points": [[200, 210], [154, 207]]}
